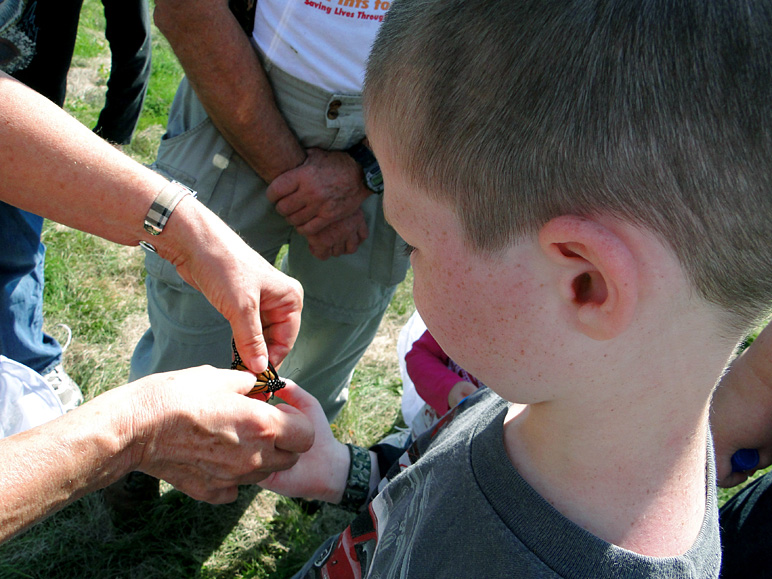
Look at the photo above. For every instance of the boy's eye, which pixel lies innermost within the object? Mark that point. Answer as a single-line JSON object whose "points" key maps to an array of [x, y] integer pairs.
{"points": [[408, 249]]}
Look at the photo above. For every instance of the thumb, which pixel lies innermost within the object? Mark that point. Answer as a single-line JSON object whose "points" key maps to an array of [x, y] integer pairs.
{"points": [[250, 344], [240, 382]]}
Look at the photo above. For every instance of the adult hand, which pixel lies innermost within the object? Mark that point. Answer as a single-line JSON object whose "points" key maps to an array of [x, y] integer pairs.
{"points": [[339, 238], [741, 411], [194, 428], [326, 188], [262, 304], [197, 430], [320, 473], [460, 391]]}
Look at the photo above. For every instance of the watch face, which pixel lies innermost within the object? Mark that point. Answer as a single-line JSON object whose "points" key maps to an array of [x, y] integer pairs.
{"points": [[374, 180]]}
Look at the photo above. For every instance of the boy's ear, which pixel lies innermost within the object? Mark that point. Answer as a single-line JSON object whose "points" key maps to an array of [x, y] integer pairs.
{"points": [[598, 274]]}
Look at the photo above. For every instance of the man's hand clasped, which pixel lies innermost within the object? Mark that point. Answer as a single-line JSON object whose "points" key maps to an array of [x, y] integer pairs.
{"points": [[321, 198]]}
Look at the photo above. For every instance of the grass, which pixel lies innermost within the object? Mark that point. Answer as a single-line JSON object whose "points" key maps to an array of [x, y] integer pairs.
{"points": [[97, 289]]}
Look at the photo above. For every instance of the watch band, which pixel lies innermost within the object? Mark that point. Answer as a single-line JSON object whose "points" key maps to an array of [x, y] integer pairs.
{"points": [[365, 158], [162, 208], [358, 483]]}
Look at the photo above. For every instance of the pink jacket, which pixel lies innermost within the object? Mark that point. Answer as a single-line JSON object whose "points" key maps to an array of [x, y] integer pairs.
{"points": [[433, 372]]}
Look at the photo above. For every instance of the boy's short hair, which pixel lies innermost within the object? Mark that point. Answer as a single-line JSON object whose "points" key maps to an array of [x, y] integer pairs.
{"points": [[656, 112]]}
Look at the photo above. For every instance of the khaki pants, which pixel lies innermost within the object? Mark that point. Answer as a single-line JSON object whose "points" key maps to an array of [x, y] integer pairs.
{"points": [[345, 297]]}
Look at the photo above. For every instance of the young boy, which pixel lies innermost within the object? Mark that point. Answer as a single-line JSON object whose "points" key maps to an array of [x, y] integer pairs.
{"points": [[585, 189]]}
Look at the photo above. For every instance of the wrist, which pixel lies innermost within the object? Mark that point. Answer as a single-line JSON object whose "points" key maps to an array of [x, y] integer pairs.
{"points": [[371, 170], [161, 210], [191, 233], [109, 420], [289, 162], [358, 477], [137, 408]]}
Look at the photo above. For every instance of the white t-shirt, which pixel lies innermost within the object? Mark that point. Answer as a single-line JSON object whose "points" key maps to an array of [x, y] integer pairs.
{"points": [[323, 42], [26, 400]]}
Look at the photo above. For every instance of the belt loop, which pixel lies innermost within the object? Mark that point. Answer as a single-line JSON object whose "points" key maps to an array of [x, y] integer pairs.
{"points": [[333, 109]]}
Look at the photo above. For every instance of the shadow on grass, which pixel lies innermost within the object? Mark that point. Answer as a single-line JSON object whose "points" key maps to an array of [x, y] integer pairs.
{"points": [[259, 535], [173, 539]]}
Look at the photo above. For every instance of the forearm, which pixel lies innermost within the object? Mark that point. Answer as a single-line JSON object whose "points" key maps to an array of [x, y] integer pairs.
{"points": [[48, 467], [230, 82], [55, 167], [193, 428]]}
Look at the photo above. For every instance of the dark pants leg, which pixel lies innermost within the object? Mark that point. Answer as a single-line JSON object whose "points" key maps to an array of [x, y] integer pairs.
{"points": [[128, 32], [746, 532], [57, 23]]}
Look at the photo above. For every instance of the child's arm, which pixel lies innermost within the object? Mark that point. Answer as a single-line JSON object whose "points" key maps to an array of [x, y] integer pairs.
{"points": [[426, 364], [741, 414], [342, 474], [320, 473]]}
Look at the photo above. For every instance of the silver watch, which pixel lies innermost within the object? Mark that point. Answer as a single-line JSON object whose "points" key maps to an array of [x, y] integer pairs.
{"points": [[162, 208]]}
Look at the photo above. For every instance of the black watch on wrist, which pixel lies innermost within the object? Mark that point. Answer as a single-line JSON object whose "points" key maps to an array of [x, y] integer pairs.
{"points": [[365, 158]]}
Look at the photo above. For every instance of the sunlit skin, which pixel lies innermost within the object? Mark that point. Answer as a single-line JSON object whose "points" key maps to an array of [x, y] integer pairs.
{"points": [[466, 297], [194, 428], [568, 321]]}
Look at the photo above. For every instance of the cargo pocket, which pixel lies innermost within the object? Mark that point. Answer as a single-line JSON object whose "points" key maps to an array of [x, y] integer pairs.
{"points": [[196, 158]]}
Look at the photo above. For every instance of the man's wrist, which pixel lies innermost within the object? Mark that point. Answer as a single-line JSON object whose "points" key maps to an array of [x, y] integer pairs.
{"points": [[373, 179]]}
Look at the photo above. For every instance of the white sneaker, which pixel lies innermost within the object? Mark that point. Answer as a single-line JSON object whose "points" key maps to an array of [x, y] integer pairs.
{"points": [[65, 387]]}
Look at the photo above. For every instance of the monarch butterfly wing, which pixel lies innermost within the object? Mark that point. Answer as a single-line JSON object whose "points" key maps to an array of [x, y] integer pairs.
{"points": [[267, 381], [239, 366]]}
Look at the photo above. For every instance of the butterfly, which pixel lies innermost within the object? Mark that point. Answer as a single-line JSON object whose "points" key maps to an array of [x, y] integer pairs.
{"points": [[266, 382]]}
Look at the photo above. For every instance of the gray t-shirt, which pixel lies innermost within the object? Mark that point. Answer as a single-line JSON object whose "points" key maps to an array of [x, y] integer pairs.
{"points": [[460, 509]]}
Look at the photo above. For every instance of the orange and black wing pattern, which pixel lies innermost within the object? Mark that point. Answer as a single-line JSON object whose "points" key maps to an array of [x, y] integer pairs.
{"points": [[266, 382]]}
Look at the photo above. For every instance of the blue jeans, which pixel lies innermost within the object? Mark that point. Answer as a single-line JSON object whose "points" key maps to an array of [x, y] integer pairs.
{"points": [[21, 299], [22, 254]]}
